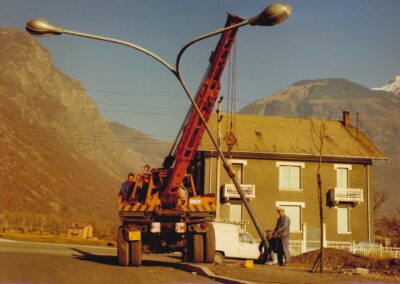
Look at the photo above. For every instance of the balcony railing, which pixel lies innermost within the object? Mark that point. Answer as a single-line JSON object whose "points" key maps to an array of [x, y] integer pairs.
{"points": [[346, 195], [249, 190]]}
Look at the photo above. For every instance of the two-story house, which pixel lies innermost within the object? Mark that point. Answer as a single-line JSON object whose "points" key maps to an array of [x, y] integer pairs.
{"points": [[276, 161]]}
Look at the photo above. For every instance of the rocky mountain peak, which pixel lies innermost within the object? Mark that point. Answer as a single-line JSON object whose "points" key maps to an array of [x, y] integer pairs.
{"points": [[14, 39], [393, 86]]}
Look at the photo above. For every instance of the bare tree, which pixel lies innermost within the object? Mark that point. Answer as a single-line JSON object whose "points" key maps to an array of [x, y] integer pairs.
{"points": [[380, 197], [318, 136]]}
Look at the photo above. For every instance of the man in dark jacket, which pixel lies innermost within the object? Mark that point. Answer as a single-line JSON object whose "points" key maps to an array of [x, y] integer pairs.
{"points": [[282, 231], [269, 255], [126, 187]]}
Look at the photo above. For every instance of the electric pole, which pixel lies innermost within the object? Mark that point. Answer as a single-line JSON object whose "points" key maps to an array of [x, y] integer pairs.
{"points": [[218, 175]]}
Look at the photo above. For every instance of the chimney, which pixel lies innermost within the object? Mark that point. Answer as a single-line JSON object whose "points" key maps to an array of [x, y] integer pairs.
{"points": [[346, 118]]}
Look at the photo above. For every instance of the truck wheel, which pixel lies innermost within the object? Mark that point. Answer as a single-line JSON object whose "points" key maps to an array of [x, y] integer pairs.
{"points": [[195, 248], [135, 248], [209, 244], [123, 248]]}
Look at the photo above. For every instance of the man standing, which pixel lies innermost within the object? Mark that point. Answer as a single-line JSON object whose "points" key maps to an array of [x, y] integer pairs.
{"points": [[282, 231], [126, 187]]}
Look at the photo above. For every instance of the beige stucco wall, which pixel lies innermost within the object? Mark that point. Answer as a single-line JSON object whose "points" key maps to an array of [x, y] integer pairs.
{"points": [[265, 175]]}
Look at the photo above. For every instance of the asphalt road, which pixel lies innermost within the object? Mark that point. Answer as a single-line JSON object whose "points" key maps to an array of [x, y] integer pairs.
{"points": [[54, 263]]}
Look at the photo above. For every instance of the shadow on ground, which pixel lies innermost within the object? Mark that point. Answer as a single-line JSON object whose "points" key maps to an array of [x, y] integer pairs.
{"points": [[112, 260]]}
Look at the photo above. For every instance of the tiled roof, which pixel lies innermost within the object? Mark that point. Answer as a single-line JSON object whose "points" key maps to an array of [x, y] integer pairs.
{"points": [[297, 136]]}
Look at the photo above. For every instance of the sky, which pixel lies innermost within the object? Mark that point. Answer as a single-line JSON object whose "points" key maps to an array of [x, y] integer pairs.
{"points": [[358, 40]]}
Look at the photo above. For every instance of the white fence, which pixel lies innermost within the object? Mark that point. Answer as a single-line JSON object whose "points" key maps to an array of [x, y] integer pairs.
{"points": [[365, 249]]}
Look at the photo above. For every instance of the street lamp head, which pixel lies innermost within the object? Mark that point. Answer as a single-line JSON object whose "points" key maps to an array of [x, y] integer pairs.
{"points": [[272, 15], [41, 27]]}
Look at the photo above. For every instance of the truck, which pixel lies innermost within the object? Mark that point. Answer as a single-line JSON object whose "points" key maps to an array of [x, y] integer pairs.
{"points": [[165, 212]]}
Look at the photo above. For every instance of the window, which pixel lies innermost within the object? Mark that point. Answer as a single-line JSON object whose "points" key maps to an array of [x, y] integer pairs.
{"points": [[293, 211], [245, 237], [238, 170], [290, 175], [235, 212], [342, 175], [342, 178], [343, 220]]}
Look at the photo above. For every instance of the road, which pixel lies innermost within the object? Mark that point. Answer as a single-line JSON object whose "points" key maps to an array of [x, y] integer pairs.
{"points": [[56, 263]]}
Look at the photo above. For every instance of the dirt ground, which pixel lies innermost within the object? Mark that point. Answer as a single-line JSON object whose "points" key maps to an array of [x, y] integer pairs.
{"points": [[343, 261], [339, 267]]}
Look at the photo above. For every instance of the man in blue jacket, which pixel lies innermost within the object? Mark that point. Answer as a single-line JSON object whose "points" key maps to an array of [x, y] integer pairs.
{"points": [[126, 187], [282, 231]]}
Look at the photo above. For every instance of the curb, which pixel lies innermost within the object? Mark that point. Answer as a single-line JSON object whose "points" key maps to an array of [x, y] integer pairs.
{"points": [[205, 271]]}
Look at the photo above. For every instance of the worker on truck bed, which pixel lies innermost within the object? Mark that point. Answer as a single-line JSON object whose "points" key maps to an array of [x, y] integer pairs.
{"points": [[126, 187]]}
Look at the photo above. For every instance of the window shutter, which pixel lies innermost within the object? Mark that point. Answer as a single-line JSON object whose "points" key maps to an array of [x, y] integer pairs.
{"points": [[341, 177], [294, 214], [343, 220]]}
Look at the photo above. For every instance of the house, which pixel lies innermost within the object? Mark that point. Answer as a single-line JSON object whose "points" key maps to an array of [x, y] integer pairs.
{"points": [[80, 231], [276, 161]]}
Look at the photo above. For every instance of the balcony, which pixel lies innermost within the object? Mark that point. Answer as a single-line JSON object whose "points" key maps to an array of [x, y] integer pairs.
{"points": [[229, 191], [354, 195]]}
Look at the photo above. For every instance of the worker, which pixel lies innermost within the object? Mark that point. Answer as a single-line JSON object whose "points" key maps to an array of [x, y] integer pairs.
{"points": [[126, 187], [269, 255], [282, 232]]}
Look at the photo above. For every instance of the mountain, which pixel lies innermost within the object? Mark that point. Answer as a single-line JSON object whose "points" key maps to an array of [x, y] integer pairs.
{"points": [[327, 98], [148, 149], [61, 162], [393, 86]]}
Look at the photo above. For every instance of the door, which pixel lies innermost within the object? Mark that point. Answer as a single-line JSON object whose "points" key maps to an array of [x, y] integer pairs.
{"points": [[248, 249], [235, 212]]}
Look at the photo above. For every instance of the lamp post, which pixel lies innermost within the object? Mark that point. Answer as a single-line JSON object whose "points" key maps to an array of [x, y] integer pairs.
{"points": [[272, 15]]}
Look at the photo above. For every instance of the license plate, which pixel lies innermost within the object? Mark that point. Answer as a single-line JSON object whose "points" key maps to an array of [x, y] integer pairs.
{"points": [[134, 236]]}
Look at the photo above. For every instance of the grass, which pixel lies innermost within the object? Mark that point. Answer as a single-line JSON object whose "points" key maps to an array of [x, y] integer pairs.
{"points": [[48, 238]]}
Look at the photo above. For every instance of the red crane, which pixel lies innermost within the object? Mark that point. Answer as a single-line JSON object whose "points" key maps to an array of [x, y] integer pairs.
{"points": [[206, 97]]}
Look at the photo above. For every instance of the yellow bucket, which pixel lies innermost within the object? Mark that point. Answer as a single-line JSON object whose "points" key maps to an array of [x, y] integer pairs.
{"points": [[249, 263]]}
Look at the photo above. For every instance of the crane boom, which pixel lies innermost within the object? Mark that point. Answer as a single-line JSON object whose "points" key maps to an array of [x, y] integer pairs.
{"points": [[206, 97]]}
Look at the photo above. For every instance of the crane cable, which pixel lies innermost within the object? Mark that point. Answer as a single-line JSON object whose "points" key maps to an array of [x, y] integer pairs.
{"points": [[230, 138]]}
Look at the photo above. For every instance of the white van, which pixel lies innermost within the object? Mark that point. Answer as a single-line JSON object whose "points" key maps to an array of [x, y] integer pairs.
{"points": [[232, 243]]}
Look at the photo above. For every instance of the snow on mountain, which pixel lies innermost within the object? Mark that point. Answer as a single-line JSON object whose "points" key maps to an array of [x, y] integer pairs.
{"points": [[392, 86]]}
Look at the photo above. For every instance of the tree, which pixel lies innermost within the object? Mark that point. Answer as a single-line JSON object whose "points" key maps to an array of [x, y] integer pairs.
{"points": [[318, 138], [380, 197]]}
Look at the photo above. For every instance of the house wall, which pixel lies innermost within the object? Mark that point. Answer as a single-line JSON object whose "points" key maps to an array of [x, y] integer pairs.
{"points": [[265, 175]]}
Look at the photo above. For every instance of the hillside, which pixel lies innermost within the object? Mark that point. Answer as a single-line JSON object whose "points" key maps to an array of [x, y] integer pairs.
{"points": [[60, 160], [327, 98], [151, 151]]}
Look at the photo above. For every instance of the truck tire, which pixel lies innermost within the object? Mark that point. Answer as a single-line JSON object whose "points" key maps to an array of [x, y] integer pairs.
{"points": [[195, 248], [209, 244], [135, 251], [122, 248]]}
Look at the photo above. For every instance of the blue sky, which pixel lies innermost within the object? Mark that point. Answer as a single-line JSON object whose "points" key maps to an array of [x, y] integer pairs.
{"points": [[352, 39]]}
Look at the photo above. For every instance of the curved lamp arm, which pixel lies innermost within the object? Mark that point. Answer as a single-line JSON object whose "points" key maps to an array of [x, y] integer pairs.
{"points": [[199, 38], [41, 27]]}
